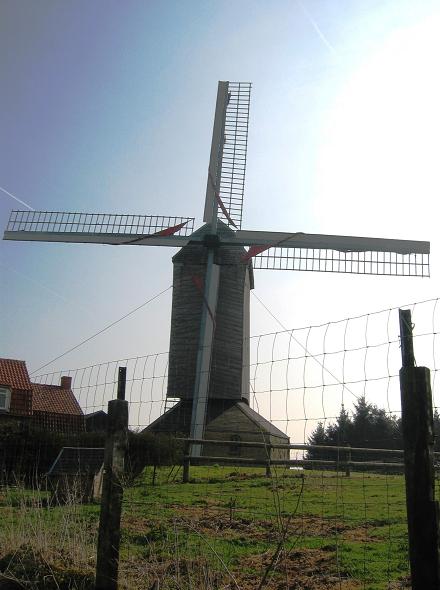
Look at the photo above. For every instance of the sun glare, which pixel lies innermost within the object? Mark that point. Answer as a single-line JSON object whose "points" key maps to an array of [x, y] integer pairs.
{"points": [[381, 143]]}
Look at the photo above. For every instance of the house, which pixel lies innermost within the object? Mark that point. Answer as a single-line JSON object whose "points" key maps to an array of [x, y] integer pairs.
{"points": [[54, 407], [15, 390], [96, 421], [241, 423], [43, 406], [231, 422]]}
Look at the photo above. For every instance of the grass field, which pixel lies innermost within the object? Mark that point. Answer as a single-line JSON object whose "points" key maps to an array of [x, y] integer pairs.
{"points": [[229, 528]]}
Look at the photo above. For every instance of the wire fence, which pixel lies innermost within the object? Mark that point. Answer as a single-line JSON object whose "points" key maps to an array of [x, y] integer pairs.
{"points": [[297, 377], [309, 516]]}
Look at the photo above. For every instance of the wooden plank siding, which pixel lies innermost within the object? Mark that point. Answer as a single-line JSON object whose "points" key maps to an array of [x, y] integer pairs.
{"points": [[226, 421], [227, 356], [235, 424]]}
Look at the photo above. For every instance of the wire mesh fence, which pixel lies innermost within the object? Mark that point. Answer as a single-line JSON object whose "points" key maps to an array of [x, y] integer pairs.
{"points": [[302, 489], [297, 377]]}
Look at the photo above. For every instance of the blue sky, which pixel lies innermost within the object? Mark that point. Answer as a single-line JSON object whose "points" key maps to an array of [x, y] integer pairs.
{"points": [[108, 107]]}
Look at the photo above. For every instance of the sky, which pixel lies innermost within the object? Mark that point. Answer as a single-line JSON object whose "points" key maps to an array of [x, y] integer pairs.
{"points": [[108, 107]]}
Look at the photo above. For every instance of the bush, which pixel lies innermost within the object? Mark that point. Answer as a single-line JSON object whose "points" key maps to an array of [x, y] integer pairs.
{"points": [[26, 453], [147, 448]]}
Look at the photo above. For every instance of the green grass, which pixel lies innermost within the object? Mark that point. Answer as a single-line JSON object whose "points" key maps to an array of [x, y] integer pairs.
{"points": [[223, 529]]}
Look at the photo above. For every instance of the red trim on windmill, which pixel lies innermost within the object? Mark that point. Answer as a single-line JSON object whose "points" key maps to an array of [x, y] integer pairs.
{"points": [[224, 210], [168, 231], [220, 202], [198, 283], [255, 250]]}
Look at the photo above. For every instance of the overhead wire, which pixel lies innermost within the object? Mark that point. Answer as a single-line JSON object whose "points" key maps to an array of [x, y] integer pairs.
{"points": [[131, 312], [323, 367]]}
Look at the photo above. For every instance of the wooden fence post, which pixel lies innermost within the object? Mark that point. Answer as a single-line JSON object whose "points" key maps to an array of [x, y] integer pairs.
{"points": [[418, 443], [109, 534], [268, 469], [348, 459], [186, 462]]}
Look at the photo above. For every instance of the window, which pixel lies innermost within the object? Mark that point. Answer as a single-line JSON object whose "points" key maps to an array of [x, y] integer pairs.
{"points": [[5, 399]]}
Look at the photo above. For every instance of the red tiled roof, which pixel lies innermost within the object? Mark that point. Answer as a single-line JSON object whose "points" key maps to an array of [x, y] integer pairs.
{"points": [[55, 399], [14, 374]]}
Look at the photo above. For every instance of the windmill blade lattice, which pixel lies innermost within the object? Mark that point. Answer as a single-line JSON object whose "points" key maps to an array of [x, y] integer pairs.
{"points": [[27, 224], [233, 166], [326, 260], [212, 279]]}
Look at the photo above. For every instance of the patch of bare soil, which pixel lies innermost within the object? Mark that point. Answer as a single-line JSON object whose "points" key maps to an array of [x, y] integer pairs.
{"points": [[299, 570], [136, 524], [304, 569], [171, 574], [241, 476], [230, 525]]}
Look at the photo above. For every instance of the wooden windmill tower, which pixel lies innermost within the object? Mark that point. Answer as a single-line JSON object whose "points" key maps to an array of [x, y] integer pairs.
{"points": [[213, 275]]}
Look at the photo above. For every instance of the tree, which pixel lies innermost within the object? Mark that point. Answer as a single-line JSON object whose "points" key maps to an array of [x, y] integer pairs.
{"points": [[373, 427], [318, 437], [368, 427], [340, 432]]}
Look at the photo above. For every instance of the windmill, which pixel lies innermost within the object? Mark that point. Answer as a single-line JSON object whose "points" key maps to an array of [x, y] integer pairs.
{"points": [[213, 274]]}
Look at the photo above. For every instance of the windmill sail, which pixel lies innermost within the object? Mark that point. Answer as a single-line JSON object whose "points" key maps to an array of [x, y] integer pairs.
{"points": [[227, 167], [100, 228], [343, 254], [233, 169], [327, 260], [213, 275]]}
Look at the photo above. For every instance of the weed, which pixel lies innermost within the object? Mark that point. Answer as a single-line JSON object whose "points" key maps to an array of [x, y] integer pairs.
{"points": [[228, 529]]}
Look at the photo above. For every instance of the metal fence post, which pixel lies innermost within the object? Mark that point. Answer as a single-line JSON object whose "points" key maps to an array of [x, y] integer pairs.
{"points": [[418, 442], [109, 534]]}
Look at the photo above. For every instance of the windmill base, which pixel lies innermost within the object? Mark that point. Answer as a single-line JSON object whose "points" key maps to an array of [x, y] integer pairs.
{"points": [[229, 421]]}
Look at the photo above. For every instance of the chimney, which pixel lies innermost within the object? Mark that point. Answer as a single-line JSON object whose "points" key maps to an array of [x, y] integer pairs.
{"points": [[66, 382]]}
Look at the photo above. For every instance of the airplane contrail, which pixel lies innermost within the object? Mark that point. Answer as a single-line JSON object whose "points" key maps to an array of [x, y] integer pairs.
{"points": [[16, 198], [316, 27]]}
